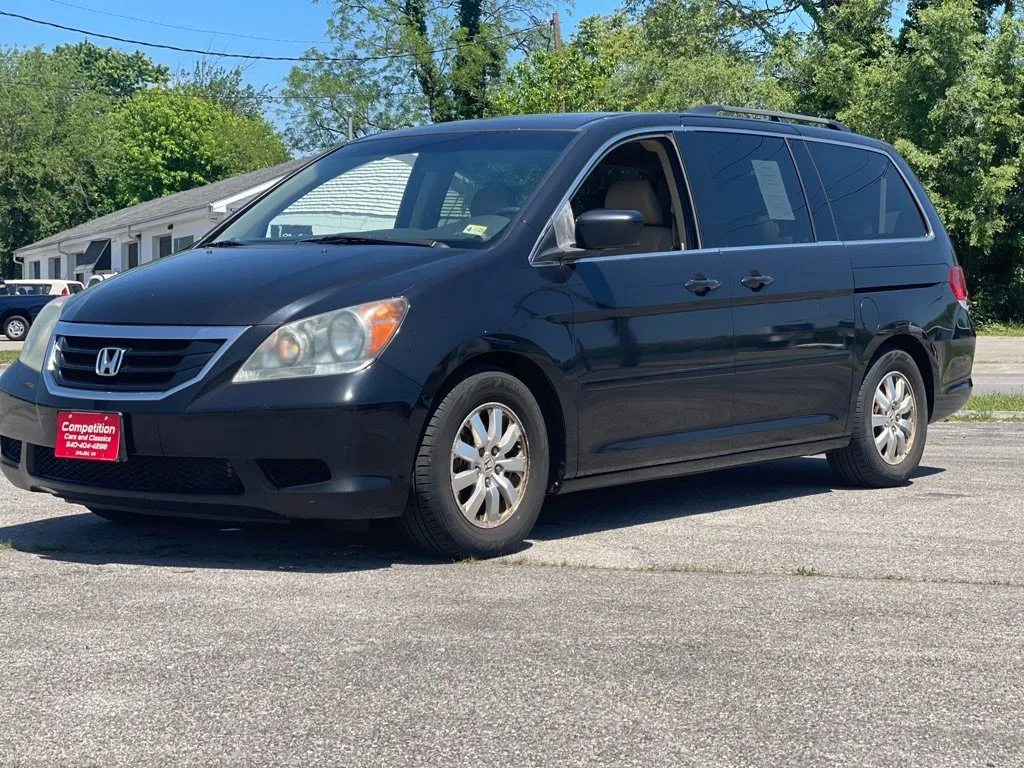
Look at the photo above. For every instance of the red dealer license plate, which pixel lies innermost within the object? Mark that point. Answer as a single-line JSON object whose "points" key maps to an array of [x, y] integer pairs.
{"points": [[88, 435]]}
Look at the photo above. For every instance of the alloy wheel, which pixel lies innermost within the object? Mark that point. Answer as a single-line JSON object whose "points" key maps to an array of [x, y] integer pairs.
{"points": [[490, 465], [894, 417]]}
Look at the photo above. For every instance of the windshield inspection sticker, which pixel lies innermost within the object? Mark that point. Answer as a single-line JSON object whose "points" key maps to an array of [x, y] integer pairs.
{"points": [[773, 190], [475, 229]]}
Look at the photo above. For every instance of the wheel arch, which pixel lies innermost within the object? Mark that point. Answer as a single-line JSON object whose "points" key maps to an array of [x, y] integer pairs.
{"points": [[914, 344], [525, 366]]}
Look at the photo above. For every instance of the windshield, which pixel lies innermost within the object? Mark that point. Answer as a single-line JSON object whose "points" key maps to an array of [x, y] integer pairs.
{"points": [[458, 189]]}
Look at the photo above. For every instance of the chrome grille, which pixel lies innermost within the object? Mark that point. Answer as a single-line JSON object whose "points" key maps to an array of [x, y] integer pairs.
{"points": [[150, 365], [157, 360]]}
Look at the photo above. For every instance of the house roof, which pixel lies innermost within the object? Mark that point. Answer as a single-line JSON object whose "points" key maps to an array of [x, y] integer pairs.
{"points": [[189, 200]]}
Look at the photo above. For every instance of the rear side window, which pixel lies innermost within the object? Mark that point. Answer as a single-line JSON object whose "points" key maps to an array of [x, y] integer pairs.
{"points": [[746, 190], [869, 197]]}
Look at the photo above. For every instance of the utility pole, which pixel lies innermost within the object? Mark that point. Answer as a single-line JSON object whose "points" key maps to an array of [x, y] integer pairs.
{"points": [[557, 28], [351, 132]]}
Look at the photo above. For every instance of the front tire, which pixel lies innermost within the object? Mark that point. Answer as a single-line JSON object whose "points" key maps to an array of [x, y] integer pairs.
{"points": [[481, 473], [16, 327], [890, 425]]}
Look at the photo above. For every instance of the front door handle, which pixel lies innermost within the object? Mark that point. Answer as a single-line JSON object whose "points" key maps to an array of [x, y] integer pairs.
{"points": [[701, 285], [755, 281]]}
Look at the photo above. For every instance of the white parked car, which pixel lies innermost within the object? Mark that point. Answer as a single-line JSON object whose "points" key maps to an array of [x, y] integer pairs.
{"points": [[97, 279], [42, 287]]}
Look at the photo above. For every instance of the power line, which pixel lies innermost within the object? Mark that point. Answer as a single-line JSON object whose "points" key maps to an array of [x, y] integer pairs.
{"points": [[273, 95], [187, 29], [255, 57]]}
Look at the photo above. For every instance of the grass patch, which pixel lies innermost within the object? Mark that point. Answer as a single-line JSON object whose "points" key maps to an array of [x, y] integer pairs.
{"points": [[8, 356], [6, 545], [996, 402], [985, 407], [1002, 329]]}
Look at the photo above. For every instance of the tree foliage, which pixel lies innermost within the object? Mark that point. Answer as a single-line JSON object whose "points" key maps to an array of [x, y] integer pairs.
{"points": [[403, 62], [88, 130], [171, 141]]}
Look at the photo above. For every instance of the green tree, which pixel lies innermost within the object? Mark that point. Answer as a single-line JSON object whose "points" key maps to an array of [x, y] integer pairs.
{"points": [[403, 63], [55, 151], [87, 130], [662, 56], [225, 86], [171, 140], [115, 72]]}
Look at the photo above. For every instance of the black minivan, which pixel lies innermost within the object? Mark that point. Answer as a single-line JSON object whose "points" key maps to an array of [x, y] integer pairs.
{"points": [[445, 324]]}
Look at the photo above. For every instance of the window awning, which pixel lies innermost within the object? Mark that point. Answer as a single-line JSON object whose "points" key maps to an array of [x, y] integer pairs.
{"points": [[96, 257]]}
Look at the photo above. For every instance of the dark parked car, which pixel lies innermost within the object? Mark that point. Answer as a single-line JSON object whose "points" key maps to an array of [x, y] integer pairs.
{"points": [[445, 324], [20, 302]]}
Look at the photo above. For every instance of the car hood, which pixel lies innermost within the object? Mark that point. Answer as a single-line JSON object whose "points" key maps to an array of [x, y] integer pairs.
{"points": [[252, 285]]}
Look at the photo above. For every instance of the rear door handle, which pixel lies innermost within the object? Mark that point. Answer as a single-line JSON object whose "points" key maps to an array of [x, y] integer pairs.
{"points": [[755, 281], [701, 285]]}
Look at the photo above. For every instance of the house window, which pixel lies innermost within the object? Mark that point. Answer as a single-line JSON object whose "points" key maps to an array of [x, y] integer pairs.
{"points": [[55, 268], [132, 255], [37, 270], [164, 246], [183, 243]]}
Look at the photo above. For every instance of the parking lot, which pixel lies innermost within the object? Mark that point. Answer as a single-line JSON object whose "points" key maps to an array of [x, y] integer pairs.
{"points": [[758, 616]]}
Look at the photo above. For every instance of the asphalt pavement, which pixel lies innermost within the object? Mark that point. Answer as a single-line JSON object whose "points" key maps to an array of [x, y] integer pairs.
{"points": [[755, 617]]}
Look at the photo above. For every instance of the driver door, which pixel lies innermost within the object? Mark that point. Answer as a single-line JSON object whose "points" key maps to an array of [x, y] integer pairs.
{"points": [[652, 324]]}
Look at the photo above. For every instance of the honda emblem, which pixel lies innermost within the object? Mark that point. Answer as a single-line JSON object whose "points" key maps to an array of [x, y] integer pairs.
{"points": [[108, 361]]}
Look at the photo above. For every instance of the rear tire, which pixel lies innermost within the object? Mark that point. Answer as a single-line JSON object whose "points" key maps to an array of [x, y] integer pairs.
{"points": [[890, 425], [481, 473], [16, 327]]}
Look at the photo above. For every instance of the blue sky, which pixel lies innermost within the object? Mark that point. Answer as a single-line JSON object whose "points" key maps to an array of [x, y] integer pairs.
{"points": [[282, 19]]}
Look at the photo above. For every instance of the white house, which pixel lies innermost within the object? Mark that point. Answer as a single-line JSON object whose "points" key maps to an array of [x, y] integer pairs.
{"points": [[133, 236]]}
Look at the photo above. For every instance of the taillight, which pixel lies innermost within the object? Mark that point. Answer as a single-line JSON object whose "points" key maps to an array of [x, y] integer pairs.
{"points": [[65, 292], [958, 283]]}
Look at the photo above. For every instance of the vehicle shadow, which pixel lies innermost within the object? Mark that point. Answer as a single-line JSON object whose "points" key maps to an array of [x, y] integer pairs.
{"points": [[81, 537], [622, 506]]}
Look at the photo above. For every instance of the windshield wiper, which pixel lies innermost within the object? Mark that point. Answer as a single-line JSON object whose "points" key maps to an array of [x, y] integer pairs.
{"points": [[226, 244], [361, 240]]}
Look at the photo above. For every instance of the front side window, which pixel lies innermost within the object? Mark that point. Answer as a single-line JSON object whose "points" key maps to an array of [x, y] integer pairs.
{"points": [[637, 175], [746, 190], [868, 196], [460, 189]]}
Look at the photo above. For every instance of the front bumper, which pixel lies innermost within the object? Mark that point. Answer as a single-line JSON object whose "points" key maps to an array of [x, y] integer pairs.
{"points": [[218, 457]]}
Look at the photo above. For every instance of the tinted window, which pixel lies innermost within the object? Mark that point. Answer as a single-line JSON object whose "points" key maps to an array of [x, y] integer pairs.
{"points": [[869, 197], [746, 190]]}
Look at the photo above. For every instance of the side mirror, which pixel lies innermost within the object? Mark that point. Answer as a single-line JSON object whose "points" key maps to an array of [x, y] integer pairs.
{"points": [[604, 229]]}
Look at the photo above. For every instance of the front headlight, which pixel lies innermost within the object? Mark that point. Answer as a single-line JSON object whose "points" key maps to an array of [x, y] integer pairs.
{"points": [[341, 341], [34, 349]]}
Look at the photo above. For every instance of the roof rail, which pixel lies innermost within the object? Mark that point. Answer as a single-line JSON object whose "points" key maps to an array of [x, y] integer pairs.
{"points": [[778, 117]]}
